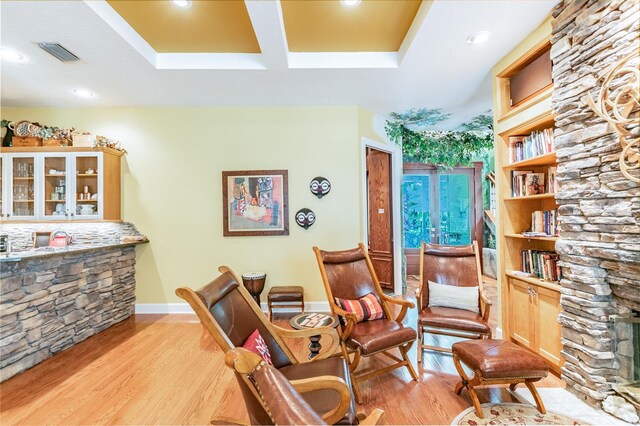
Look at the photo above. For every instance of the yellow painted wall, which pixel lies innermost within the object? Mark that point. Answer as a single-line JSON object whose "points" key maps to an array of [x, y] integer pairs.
{"points": [[172, 186]]}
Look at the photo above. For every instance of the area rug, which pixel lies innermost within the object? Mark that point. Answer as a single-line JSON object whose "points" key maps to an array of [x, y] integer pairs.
{"points": [[512, 414]]}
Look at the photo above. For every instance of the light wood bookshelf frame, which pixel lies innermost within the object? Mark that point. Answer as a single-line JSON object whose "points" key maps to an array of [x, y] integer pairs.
{"points": [[514, 217]]}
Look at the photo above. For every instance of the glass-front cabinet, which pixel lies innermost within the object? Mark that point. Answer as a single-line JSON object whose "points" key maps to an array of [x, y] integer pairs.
{"points": [[55, 191], [22, 187], [63, 185], [88, 186]]}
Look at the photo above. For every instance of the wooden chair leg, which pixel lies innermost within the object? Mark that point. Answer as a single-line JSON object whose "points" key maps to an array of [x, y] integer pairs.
{"points": [[513, 386], [403, 351], [536, 397], [420, 343]]}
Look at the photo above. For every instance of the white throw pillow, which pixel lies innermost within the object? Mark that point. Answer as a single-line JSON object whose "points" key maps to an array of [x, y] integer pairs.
{"points": [[451, 296]]}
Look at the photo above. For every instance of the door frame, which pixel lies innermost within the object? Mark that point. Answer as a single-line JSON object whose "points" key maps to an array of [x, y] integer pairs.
{"points": [[396, 186]]}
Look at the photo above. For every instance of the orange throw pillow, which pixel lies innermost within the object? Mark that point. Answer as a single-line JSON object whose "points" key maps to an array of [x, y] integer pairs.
{"points": [[366, 308]]}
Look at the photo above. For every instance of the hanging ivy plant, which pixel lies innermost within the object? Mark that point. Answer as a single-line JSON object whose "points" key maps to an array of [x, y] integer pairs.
{"points": [[445, 149]]}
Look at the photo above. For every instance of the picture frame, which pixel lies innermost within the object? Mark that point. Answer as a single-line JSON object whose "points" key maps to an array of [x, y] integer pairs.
{"points": [[42, 238], [255, 203]]}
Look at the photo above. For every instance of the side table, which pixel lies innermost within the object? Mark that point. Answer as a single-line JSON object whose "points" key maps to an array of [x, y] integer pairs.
{"points": [[313, 320]]}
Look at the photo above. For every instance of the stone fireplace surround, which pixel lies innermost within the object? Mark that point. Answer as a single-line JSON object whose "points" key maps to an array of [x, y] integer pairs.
{"points": [[599, 208]]}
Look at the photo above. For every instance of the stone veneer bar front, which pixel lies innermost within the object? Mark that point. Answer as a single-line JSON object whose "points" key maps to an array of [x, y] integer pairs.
{"points": [[52, 299]]}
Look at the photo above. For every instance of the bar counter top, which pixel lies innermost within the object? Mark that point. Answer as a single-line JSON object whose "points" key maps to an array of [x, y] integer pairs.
{"points": [[44, 252]]}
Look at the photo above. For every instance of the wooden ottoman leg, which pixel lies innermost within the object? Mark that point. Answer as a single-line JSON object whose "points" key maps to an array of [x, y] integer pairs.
{"points": [[474, 396], [536, 396]]}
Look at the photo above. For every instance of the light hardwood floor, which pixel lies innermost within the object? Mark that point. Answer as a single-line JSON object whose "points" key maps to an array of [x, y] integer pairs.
{"points": [[166, 369]]}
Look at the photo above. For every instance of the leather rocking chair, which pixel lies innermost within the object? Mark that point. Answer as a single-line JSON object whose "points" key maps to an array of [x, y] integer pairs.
{"points": [[349, 274], [280, 397], [228, 312], [455, 266]]}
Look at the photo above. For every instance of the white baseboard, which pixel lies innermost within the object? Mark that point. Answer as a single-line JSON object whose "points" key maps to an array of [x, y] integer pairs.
{"points": [[184, 308], [163, 308], [498, 333]]}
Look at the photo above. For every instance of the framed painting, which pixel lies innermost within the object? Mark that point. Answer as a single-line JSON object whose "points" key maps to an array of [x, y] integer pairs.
{"points": [[255, 202]]}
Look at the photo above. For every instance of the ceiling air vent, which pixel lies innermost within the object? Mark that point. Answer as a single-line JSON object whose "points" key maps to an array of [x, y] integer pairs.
{"points": [[59, 52]]}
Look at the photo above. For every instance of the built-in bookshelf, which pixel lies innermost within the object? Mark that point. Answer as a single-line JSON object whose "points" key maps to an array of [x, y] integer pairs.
{"points": [[528, 271], [529, 220]]}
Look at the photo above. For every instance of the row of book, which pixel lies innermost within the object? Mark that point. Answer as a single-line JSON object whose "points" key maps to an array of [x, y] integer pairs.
{"points": [[527, 182], [541, 264], [539, 142], [543, 224]]}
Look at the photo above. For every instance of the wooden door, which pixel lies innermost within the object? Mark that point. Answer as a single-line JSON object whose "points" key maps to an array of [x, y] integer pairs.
{"points": [[548, 329], [379, 207], [521, 320]]}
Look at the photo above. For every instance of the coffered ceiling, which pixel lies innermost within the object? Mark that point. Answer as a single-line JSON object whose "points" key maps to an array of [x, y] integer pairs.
{"points": [[422, 61], [207, 26], [327, 26]]}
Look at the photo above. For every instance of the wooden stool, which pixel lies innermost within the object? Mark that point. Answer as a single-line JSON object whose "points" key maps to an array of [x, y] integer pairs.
{"points": [[285, 297], [496, 362]]}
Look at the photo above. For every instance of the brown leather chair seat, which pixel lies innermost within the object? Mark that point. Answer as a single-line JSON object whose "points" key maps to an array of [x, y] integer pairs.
{"points": [[453, 319], [324, 400], [499, 359], [379, 335]]}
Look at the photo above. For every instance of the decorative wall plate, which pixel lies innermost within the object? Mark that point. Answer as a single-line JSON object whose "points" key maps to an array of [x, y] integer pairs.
{"points": [[305, 218], [320, 186]]}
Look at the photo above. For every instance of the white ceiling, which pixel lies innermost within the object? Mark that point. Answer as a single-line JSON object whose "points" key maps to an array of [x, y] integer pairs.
{"points": [[438, 69]]}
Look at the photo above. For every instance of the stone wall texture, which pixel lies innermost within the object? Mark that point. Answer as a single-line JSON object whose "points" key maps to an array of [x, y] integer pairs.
{"points": [[83, 233], [599, 210], [51, 303]]}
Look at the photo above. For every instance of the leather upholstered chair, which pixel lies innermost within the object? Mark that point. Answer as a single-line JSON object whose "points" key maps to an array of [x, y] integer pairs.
{"points": [[279, 397], [349, 274], [455, 266], [229, 313]]}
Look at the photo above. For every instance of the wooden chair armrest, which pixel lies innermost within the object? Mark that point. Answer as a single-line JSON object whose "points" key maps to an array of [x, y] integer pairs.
{"points": [[350, 319], [327, 382], [319, 331], [487, 305], [401, 302], [376, 417], [406, 304]]}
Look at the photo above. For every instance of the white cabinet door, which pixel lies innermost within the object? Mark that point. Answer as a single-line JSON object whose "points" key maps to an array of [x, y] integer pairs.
{"points": [[55, 186], [23, 186], [86, 185]]}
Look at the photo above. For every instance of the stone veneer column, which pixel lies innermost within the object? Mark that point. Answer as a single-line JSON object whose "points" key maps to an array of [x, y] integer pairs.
{"points": [[599, 211], [49, 304]]}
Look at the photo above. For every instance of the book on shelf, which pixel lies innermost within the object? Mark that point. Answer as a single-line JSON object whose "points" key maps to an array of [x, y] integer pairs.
{"points": [[518, 182], [541, 264], [539, 142], [543, 223]]}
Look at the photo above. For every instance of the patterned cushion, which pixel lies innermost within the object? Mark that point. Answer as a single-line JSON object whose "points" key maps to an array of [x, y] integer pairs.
{"points": [[366, 308], [256, 344]]}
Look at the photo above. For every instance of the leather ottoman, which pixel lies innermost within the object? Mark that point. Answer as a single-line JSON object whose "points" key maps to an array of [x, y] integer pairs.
{"points": [[285, 297], [495, 361]]}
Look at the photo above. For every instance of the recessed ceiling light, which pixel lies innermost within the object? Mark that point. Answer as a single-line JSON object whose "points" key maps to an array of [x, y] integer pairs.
{"points": [[479, 37], [11, 55], [182, 3], [83, 93], [350, 3]]}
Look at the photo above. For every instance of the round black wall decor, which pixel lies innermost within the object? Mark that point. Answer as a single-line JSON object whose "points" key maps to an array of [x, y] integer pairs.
{"points": [[305, 218], [320, 186]]}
